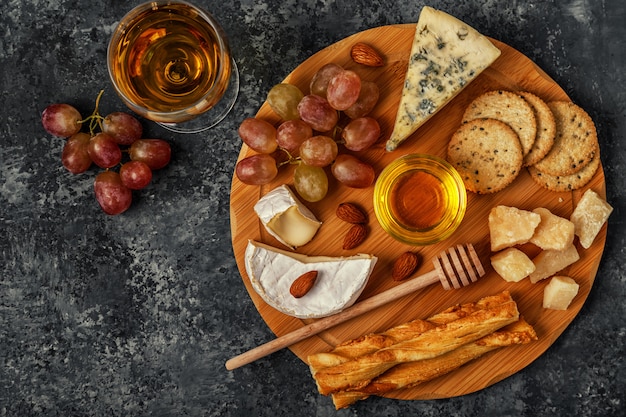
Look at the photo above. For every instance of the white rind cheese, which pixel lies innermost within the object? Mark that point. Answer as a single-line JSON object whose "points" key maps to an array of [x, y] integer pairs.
{"points": [[340, 280], [445, 56], [286, 218]]}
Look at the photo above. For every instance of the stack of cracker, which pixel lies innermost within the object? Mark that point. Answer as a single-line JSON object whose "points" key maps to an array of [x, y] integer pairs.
{"points": [[418, 351], [504, 131]]}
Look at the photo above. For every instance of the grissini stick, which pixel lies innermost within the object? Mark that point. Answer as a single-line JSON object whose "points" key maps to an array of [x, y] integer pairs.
{"points": [[454, 268]]}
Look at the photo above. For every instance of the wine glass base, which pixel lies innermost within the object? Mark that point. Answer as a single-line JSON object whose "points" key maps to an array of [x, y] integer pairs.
{"points": [[215, 114]]}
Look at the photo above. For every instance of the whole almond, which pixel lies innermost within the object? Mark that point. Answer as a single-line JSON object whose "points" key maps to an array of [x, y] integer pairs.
{"points": [[355, 236], [364, 54], [404, 266], [303, 284], [350, 213]]}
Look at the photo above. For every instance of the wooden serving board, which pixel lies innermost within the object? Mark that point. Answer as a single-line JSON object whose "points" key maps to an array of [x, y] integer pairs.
{"points": [[511, 71]]}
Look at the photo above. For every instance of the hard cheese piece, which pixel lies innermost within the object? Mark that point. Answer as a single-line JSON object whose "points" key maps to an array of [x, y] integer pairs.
{"points": [[286, 218], [549, 262], [589, 216], [340, 280], [553, 232], [512, 264], [559, 293], [446, 55], [510, 226]]}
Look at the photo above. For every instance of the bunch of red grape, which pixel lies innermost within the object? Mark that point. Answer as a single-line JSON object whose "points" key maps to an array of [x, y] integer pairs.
{"points": [[311, 131], [108, 140]]}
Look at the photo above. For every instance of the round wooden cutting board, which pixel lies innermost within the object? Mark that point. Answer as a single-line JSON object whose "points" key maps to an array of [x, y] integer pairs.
{"points": [[512, 71]]}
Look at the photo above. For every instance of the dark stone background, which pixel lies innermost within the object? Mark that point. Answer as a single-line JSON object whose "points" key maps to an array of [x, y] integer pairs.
{"points": [[135, 315]]}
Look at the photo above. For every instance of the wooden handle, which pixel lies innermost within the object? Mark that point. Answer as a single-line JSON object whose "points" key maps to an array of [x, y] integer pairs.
{"points": [[327, 322]]}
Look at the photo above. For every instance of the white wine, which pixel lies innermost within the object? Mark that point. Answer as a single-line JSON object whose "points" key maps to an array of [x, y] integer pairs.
{"points": [[169, 62]]}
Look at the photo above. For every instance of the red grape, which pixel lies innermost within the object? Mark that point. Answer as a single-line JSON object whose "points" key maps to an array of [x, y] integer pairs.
{"points": [[368, 97], [319, 82], [75, 157], [291, 134], [135, 175], [353, 172], [122, 127], [318, 151], [104, 151], [113, 196], [343, 90], [62, 120], [361, 133], [258, 134], [156, 153], [257, 169], [317, 113]]}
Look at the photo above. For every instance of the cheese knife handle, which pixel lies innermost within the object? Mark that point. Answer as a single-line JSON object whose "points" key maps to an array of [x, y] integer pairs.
{"points": [[320, 325]]}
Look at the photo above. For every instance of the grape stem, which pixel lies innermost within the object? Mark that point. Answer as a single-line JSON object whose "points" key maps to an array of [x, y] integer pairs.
{"points": [[290, 158], [95, 119]]}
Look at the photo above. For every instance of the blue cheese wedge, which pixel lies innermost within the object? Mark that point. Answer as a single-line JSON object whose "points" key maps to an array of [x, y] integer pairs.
{"points": [[286, 218], [446, 55], [340, 280]]}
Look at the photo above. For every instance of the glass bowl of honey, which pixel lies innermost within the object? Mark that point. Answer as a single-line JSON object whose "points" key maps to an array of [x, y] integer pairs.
{"points": [[419, 199]]}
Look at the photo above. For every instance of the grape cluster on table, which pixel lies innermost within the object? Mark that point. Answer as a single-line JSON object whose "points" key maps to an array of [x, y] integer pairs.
{"points": [[109, 139], [311, 133]]}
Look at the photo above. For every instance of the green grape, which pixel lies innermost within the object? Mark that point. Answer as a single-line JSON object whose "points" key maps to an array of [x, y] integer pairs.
{"points": [[310, 182], [283, 99]]}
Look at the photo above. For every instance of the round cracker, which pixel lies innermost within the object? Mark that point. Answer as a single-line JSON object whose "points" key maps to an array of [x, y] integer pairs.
{"points": [[510, 108], [567, 182], [575, 143], [546, 129], [487, 153]]}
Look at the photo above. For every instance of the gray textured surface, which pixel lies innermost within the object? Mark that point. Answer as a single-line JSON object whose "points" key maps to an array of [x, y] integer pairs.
{"points": [[135, 315]]}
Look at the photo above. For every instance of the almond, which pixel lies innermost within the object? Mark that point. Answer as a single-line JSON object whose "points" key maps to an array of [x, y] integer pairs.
{"points": [[404, 266], [350, 213], [303, 284], [355, 236], [364, 54]]}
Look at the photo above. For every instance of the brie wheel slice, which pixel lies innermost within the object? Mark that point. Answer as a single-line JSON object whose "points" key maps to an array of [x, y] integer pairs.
{"points": [[286, 218], [340, 280]]}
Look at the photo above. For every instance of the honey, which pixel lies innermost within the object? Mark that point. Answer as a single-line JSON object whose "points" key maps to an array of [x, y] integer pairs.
{"points": [[419, 199]]}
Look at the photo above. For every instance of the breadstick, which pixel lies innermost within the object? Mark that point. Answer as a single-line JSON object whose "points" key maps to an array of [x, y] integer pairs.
{"points": [[357, 373], [372, 342], [413, 373]]}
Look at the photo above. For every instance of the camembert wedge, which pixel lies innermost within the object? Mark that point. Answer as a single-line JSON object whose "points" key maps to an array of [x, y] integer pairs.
{"points": [[446, 55], [286, 218], [340, 280]]}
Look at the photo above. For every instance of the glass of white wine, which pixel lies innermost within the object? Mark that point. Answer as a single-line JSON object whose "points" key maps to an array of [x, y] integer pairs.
{"points": [[170, 62]]}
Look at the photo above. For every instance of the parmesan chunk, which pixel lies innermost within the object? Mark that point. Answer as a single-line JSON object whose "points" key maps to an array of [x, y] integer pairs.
{"points": [[549, 262], [510, 226], [554, 232], [512, 264], [559, 293], [589, 216]]}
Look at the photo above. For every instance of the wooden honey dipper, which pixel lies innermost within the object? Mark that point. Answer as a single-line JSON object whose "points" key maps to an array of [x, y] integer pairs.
{"points": [[454, 268]]}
